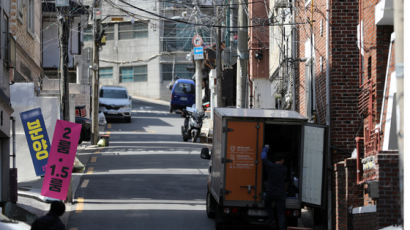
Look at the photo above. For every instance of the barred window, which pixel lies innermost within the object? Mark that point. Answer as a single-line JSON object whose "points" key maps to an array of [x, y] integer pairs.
{"points": [[109, 31], [133, 73], [130, 30], [88, 33], [180, 70], [105, 72], [30, 16]]}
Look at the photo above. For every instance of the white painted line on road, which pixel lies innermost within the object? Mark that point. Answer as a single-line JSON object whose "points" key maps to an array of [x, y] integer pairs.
{"points": [[132, 207], [133, 132], [149, 111], [159, 171], [144, 201], [85, 183], [157, 142], [121, 152]]}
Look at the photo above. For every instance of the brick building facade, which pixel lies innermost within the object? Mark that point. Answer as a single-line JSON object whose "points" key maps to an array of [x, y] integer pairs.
{"points": [[360, 62], [25, 26], [343, 70]]}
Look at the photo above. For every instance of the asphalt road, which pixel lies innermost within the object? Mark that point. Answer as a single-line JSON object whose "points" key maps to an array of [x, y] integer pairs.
{"points": [[148, 178]]}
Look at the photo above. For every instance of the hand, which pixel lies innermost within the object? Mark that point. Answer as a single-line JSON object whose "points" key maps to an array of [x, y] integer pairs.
{"points": [[264, 153]]}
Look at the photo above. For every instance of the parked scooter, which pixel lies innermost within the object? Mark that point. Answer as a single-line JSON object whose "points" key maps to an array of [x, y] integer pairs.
{"points": [[192, 123]]}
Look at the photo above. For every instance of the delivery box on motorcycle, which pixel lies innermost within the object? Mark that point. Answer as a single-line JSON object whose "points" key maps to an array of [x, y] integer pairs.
{"points": [[236, 181]]}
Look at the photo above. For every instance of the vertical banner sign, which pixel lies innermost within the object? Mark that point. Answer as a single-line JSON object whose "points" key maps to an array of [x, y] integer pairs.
{"points": [[61, 160], [37, 139]]}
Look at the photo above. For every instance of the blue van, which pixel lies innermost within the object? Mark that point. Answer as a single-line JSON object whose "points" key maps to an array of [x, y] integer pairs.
{"points": [[182, 94]]}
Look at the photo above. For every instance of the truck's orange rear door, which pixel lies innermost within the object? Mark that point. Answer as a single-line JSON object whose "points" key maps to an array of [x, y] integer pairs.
{"points": [[243, 167]]}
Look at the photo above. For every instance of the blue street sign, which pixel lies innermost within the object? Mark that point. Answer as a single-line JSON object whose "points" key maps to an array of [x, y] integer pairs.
{"points": [[37, 138], [198, 53]]}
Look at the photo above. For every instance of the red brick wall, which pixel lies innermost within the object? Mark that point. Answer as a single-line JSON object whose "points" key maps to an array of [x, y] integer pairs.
{"points": [[258, 41], [376, 48], [364, 221], [347, 194], [388, 203], [343, 62], [350, 195], [340, 197]]}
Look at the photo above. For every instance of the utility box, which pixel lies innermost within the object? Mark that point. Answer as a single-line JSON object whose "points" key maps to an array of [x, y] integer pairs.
{"points": [[236, 182]]}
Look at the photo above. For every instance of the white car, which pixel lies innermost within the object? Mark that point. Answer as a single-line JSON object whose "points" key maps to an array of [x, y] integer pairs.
{"points": [[115, 102], [7, 224]]}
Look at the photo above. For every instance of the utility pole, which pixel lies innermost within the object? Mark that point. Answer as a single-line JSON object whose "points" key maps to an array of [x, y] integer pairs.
{"points": [[219, 102], [198, 85], [95, 65], [63, 33], [243, 55]]}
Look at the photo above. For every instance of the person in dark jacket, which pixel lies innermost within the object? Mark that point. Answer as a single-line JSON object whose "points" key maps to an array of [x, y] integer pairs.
{"points": [[51, 221], [275, 186]]}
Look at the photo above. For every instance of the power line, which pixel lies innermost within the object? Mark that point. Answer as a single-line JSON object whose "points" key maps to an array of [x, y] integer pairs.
{"points": [[208, 6], [199, 24]]}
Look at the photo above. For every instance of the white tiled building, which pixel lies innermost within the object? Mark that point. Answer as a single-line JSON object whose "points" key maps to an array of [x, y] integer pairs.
{"points": [[142, 52]]}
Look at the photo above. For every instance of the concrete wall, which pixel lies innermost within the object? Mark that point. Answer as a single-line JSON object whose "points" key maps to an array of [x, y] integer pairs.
{"points": [[79, 93], [22, 99]]}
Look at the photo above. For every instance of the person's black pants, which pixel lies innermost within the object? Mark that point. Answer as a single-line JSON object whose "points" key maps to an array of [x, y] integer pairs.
{"points": [[279, 206]]}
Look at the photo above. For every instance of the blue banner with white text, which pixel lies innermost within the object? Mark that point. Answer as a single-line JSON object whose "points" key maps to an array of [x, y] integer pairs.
{"points": [[37, 138]]}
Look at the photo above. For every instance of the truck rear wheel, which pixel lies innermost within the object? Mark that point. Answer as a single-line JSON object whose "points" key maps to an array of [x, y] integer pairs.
{"points": [[210, 205]]}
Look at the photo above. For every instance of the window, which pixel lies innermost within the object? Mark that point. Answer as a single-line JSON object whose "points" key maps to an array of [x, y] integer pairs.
{"points": [[180, 70], [109, 31], [184, 88], [20, 9], [88, 33], [130, 30], [166, 72], [105, 72], [178, 36], [5, 40], [369, 68], [113, 93], [30, 16], [133, 73]]}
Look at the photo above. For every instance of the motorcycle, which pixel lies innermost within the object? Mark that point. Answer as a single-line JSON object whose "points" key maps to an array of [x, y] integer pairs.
{"points": [[192, 123]]}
